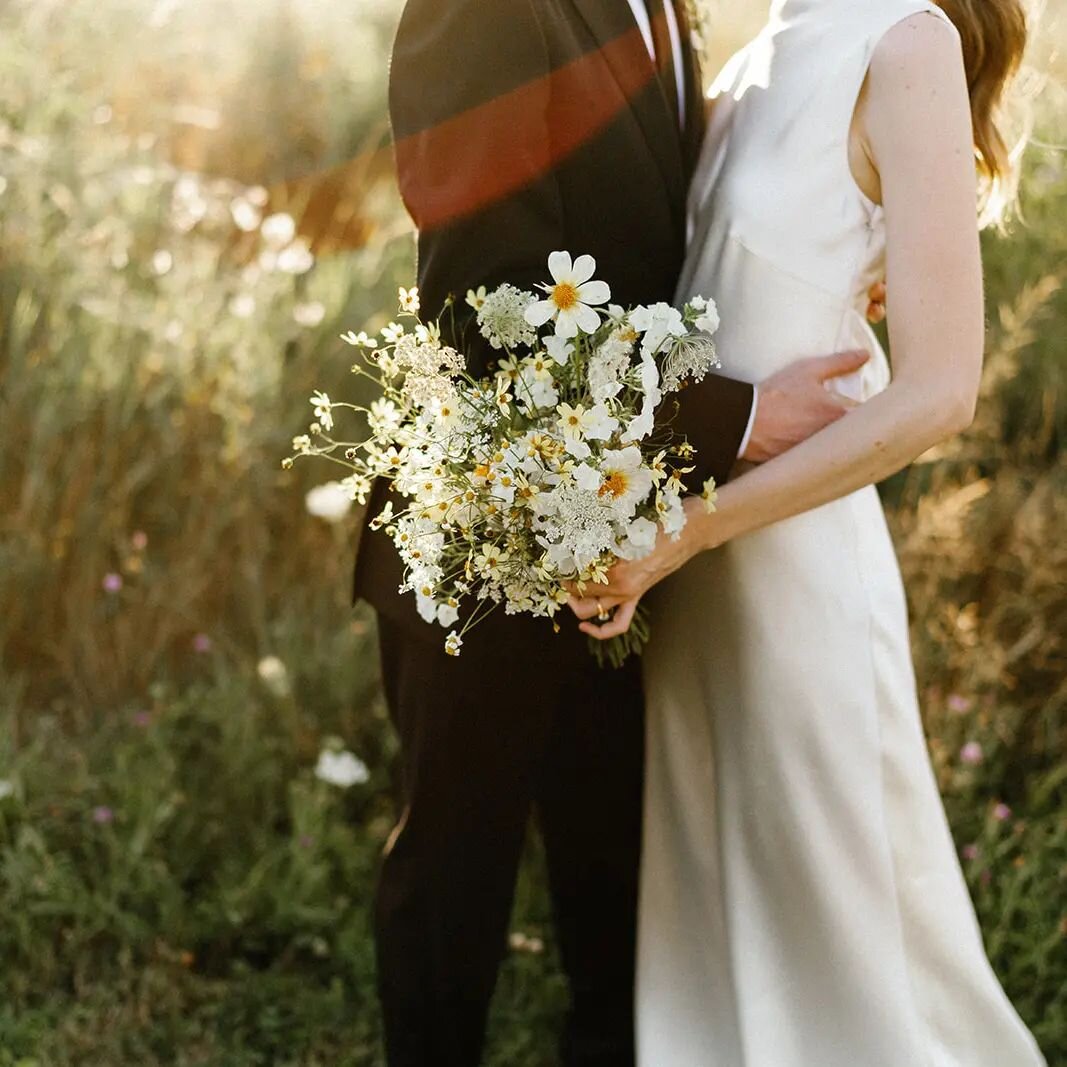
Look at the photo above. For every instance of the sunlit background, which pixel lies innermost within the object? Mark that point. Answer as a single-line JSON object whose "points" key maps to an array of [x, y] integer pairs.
{"points": [[195, 200]]}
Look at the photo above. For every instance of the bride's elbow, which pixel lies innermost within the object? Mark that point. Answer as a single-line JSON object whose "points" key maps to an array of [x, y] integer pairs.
{"points": [[962, 413], [952, 412]]}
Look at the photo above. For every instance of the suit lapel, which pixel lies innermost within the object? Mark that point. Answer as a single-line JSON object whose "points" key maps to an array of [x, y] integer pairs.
{"points": [[612, 26]]}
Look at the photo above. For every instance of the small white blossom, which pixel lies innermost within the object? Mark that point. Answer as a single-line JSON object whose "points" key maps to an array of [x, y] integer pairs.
{"points": [[274, 675], [559, 348], [537, 387], [671, 512], [296, 259], [640, 426], [640, 539], [309, 314], [278, 230], [323, 410], [426, 606], [243, 306], [608, 367], [341, 769], [384, 417], [599, 424], [709, 321], [657, 322], [359, 340], [358, 487]]}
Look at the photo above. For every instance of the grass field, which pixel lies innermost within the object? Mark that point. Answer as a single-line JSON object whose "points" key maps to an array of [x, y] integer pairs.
{"points": [[177, 886]]}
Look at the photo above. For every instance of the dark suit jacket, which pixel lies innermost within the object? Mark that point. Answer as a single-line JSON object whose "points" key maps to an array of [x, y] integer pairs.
{"points": [[526, 126]]}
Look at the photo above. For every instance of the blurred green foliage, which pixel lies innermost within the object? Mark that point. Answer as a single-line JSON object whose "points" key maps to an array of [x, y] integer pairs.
{"points": [[176, 646]]}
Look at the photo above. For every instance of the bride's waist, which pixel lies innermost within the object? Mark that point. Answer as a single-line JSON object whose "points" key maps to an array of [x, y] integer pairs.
{"points": [[759, 342]]}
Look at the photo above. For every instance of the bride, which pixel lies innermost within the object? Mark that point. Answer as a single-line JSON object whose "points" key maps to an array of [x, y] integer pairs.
{"points": [[802, 905]]}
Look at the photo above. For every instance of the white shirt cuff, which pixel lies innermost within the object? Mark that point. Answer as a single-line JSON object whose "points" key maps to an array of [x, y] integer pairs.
{"points": [[751, 423]]}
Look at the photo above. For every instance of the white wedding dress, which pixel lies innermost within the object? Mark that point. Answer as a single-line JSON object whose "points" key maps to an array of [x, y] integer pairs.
{"points": [[802, 904]]}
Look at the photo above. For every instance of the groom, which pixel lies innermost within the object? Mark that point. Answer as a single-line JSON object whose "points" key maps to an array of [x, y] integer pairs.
{"points": [[522, 127]]}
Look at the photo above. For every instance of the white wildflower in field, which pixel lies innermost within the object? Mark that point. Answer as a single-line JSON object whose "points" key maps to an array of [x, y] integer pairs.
{"points": [[274, 675], [330, 502], [246, 216], [341, 769], [296, 259], [309, 314], [243, 306], [277, 230], [540, 474], [7, 789]]}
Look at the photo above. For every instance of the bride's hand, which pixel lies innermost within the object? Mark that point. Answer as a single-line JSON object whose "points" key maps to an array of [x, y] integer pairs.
{"points": [[629, 580]]}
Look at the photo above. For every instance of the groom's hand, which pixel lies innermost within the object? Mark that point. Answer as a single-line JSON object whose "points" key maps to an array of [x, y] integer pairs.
{"points": [[794, 404]]}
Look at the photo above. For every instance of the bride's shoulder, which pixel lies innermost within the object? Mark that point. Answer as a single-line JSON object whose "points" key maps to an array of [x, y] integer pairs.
{"points": [[914, 111], [920, 49]]}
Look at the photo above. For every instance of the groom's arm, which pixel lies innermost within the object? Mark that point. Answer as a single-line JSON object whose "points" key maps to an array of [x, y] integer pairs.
{"points": [[469, 98], [726, 420]]}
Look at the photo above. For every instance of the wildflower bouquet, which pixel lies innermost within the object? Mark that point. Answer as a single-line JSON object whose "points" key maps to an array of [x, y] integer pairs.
{"points": [[538, 477]]}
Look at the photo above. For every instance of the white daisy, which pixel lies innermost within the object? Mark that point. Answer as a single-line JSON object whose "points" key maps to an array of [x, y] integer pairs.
{"points": [[626, 481], [640, 539]]}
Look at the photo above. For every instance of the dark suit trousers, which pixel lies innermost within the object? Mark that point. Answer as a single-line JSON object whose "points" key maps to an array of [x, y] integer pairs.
{"points": [[522, 721]]}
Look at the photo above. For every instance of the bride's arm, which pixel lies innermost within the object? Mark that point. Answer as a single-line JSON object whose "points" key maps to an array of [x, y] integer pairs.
{"points": [[918, 128]]}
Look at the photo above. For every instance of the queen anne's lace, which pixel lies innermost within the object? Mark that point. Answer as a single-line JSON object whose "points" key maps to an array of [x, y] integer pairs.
{"points": [[501, 318]]}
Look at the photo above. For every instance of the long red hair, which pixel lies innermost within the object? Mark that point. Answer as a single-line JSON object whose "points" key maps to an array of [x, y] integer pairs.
{"points": [[994, 35]]}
